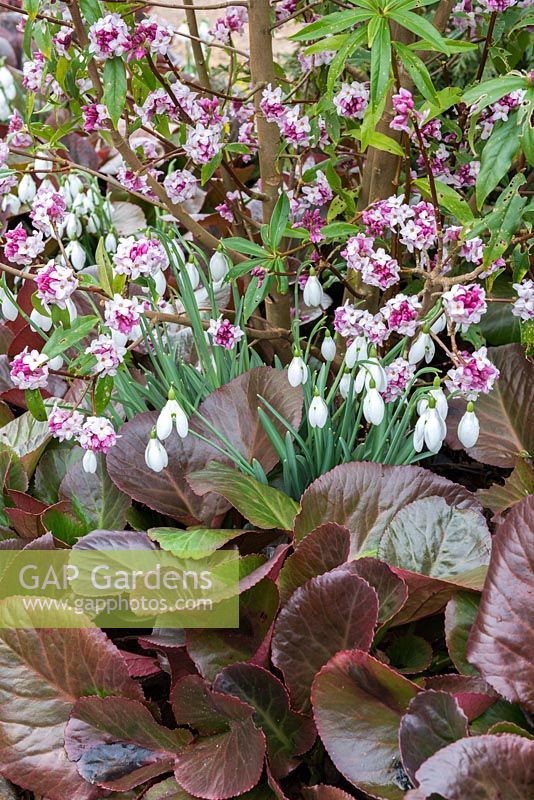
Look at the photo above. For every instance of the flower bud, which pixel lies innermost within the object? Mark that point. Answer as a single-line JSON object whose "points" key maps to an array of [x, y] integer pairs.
{"points": [[297, 372], [9, 309], [318, 412], [156, 457], [218, 266], [27, 189], [469, 427], [328, 347], [172, 414], [313, 291], [73, 227], [76, 253], [89, 462], [41, 320], [110, 242], [373, 405]]}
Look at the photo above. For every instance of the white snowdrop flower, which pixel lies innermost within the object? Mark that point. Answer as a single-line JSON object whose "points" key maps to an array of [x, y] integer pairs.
{"points": [[110, 242], [313, 291], [218, 266], [27, 189], [328, 347], [73, 226], [439, 324], [469, 427], [11, 203], [442, 404], [422, 347], [430, 429], [9, 309], [92, 224], [297, 372], [356, 351], [318, 412], [172, 415], [75, 185], [370, 372], [344, 385], [56, 363], [41, 320], [71, 308], [373, 406], [161, 282], [89, 461], [156, 457], [7, 83], [76, 254], [42, 167], [193, 275]]}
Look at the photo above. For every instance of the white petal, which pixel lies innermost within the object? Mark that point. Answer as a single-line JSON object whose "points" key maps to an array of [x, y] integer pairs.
{"points": [[328, 348], [164, 423], [373, 407], [89, 462], [469, 429], [156, 457], [218, 266]]}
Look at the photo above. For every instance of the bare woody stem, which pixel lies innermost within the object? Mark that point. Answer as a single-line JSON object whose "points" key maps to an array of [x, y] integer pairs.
{"points": [[196, 47]]}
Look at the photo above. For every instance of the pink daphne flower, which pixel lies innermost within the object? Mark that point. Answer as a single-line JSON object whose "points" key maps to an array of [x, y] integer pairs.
{"points": [[17, 131], [473, 374], [380, 270], [358, 251], [224, 334], [48, 209], [122, 314], [136, 257], [22, 248], [294, 129], [271, 103], [97, 434], [465, 304], [402, 104], [398, 374], [202, 143], [524, 305], [29, 370], [180, 185], [319, 193], [152, 34], [352, 100], [497, 5], [108, 354], [55, 284], [95, 116], [233, 21], [312, 222], [109, 37], [64, 423], [400, 314]]}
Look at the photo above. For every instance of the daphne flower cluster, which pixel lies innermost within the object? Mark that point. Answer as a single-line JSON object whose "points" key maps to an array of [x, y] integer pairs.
{"points": [[224, 334], [499, 111], [55, 284], [523, 307], [108, 355], [294, 128], [352, 100], [149, 33], [465, 304], [403, 105], [398, 375], [122, 314], [400, 314], [96, 436], [319, 193], [48, 209], [95, 117], [180, 185], [64, 424], [202, 143], [29, 370], [377, 268], [140, 257], [271, 103], [109, 37], [233, 21], [22, 248], [473, 374]]}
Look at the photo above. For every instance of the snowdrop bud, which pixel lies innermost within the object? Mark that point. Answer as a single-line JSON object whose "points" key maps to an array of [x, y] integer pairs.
{"points": [[75, 185], [313, 291], [42, 167], [9, 309], [11, 204], [193, 275], [7, 83], [356, 351], [161, 282], [92, 224], [110, 242], [156, 457], [373, 405], [430, 429], [218, 266], [318, 412], [71, 308], [76, 253], [469, 427], [73, 226], [438, 394], [27, 189], [297, 372], [422, 347], [43, 322], [89, 462], [439, 324], [120, 338], [172, 414], [56, 363], [328, 347], [344, 385]]}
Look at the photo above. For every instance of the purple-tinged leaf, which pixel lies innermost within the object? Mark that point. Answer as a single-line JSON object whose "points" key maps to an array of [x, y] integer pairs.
{"points": [[506, 429], [390, 588], [358, 703], [193, 542], [460, 616], [166, 491], [270, 568], [427, 596], [324, 792], [227, 757], [501, 642], [288, 734], [409, 654], [480, 768], [327, 614], [213, 650], [116, 743], [473, 695], [102, 502], [433, 720], [365, 497], [114, 540], [499, 498], [322, 550], [42, 674]]}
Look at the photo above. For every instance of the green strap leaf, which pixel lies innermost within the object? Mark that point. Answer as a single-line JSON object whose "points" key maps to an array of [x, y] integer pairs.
{"points": [[497, 158], [332, 23], [115, 88], [422, 28]]}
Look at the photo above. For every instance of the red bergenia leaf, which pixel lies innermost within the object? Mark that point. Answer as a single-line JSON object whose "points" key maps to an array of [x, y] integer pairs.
{"points": [[358, 703], [364, 497], [327, 614], [288, 734], [502, 639], [227, 757], [116, 743], [473, 694], [481, 767], [433, 720], [42, 674]]}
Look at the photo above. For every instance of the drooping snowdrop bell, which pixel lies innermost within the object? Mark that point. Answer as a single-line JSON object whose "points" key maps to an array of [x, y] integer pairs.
{"points": [[297, 372], [422, 347], [9, 309], [430, 429], [373, 405], [41, 320], [372, 370], [318, 412], [76, 254], [172, 416], [469, 427], [110, 242], [89, 462], [218, 266], [344, 385], [156, 457], [357, 350], [193, 274], [313, 291], [328, 347], [27, 189], [438, 394]]}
